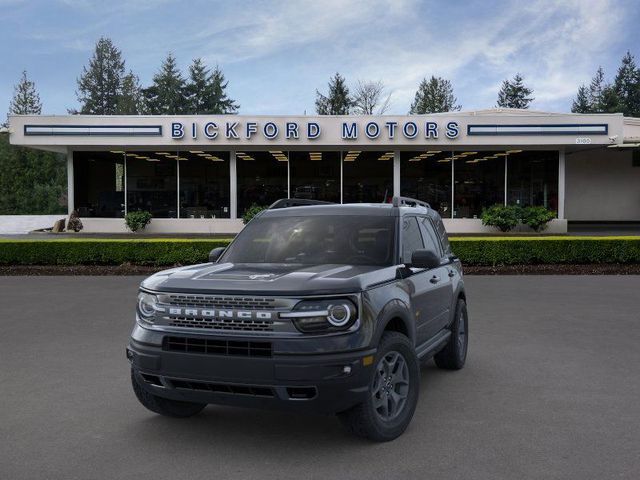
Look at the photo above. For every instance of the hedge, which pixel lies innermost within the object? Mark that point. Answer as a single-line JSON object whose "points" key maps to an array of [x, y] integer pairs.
{"points": [[546, 250], [107, 252], [163, 252]]}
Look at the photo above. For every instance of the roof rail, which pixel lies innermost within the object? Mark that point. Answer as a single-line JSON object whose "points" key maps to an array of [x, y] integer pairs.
{"points": [[409, 202], [296, 202]]}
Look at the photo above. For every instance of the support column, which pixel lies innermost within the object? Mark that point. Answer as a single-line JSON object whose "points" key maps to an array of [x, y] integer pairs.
{"points": [[506, 168], [233, 186], [70, 193], [396, 173], [561, 183]]}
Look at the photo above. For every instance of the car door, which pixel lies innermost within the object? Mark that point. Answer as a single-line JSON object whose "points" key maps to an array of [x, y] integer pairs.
{"points": [[420, 285], [442, 284]]}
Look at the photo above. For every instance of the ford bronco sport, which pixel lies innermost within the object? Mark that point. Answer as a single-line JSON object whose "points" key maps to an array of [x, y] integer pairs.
{"points": [[319, 308]]}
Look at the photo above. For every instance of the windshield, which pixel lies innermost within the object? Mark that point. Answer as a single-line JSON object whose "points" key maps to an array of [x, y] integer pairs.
{"points": [[314, 240]]}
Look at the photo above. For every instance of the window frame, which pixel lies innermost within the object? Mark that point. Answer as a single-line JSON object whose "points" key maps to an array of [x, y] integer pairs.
{"points": [[401, 231]]}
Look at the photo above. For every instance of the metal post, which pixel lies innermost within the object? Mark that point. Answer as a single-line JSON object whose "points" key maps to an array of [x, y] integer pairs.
{"points": [[70, 191], [561, 183], [341, 177], [396, 173], [178, 187], [505, 178], [126, 200], [233, 186], [289, 174], [453, 183]]}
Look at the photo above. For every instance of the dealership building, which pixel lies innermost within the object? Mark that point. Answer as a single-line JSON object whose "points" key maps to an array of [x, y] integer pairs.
{"points": [[199, 174]]}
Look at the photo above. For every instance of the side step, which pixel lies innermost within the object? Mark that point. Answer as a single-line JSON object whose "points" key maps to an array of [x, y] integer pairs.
{"points": [[431, 346]]}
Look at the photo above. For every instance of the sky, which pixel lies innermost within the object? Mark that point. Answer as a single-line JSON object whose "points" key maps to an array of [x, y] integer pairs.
{"points": [[275, 54]]}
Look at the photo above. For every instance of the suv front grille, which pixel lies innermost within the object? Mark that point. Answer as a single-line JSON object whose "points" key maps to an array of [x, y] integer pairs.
{"points": [[222, 324], [219, 301], [217, 347]]}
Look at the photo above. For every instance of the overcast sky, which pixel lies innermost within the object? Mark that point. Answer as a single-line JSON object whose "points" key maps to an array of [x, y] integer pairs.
{"points": [[276, 53]]}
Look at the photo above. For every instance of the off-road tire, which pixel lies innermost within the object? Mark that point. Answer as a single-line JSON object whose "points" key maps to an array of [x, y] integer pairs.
{"points": [[454, 354], [363, 420], [164, 406]]}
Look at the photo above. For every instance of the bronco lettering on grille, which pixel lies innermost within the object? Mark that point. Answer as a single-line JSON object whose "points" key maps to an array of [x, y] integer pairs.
{"points": [[210, 313]]}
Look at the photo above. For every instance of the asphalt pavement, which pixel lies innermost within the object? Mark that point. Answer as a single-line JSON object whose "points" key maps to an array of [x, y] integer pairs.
{"points": [[551, 390]]}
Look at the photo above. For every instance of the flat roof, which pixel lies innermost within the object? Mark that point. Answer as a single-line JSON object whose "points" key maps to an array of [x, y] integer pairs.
{"points": [[451, 130]]}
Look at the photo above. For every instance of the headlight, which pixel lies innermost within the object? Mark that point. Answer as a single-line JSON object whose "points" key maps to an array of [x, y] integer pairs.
{"points": [[319, 316], [147, 306]]}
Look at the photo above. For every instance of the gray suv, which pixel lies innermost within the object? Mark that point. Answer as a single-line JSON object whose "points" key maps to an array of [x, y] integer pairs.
{"points": [[318, 308]]}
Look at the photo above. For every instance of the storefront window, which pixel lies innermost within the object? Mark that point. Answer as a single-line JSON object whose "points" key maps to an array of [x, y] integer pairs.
{"points": [[478, 182], [426, 175], [315, 175], [262, 178], [367, 176], [152, 183], [532, 178], [99, 184], [204, 184]]}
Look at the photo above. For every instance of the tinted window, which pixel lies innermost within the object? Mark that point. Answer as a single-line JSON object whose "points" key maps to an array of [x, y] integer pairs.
{"points": [[315, 240], [411, 238], [442, 233], [431, 241]]}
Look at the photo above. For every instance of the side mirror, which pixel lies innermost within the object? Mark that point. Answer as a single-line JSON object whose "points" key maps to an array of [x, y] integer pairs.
{"points": [[425, 259], [214, 255]]}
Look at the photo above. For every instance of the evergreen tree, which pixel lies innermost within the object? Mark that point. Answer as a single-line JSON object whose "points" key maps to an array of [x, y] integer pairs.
{"points": [[166, 96], [581, 104], [222, 103], [26, 100], [434, 95], [596, 88], [206, 92], [337, 101], [627, 86], [100, 84], [514, 93], [130, 101]]}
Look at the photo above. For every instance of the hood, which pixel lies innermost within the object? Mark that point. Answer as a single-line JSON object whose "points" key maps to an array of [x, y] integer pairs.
{"points": [[269, 279]]}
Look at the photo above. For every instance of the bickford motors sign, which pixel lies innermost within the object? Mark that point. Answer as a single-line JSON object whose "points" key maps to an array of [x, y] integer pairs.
{"points": [[290, 130]]}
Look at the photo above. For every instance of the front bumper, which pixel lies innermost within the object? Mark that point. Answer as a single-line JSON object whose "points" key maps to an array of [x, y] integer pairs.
{"points": [[318, 383]]}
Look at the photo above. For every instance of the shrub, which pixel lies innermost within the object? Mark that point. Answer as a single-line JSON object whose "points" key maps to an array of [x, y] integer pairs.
{"points": [[537, 217], [137, 220], [74, 223], [503, 217], [252, 211]]}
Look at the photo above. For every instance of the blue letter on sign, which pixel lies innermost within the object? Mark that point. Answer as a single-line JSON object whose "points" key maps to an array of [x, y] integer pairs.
{"points": [[230, 131], [372, 130], [431, 130], [292, 130], [270, 130], [252, 127], [349, 132], [452, 130], [210, 130], [313, 130], [177, 130]]}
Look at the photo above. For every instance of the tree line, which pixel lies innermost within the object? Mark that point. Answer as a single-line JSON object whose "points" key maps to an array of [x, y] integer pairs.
{"points": [[35, 182]]}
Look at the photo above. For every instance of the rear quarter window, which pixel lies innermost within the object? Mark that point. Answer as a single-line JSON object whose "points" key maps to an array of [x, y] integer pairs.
{"points": [[442, 233]]}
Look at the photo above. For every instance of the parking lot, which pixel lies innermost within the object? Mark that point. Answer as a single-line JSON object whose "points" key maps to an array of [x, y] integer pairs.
{"points": [[551, 390]]}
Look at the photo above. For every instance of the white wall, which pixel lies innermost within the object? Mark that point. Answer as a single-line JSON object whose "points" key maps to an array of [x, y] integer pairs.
{"points": [[602, 185], [11, 224]]}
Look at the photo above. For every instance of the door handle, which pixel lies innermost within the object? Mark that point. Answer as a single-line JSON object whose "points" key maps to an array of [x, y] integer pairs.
{"points": [[452, 273], [435, 279]]}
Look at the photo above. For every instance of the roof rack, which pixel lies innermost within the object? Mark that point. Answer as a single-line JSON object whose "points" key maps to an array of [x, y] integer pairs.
{"points": [[296, 202], [409, 202]]}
